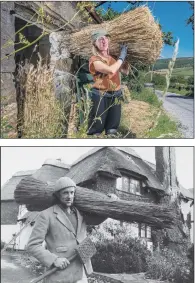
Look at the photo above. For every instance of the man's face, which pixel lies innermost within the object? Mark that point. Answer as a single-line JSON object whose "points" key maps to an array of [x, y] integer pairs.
{"points": [[66, 196]]}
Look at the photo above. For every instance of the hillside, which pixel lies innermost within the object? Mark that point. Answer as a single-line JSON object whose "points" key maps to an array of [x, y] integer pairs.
{"points": [[180, 63]]}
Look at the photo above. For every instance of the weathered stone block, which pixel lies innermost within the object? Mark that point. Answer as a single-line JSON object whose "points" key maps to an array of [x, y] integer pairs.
{"points": [[66, 10], [8, 91], [7, 37]]}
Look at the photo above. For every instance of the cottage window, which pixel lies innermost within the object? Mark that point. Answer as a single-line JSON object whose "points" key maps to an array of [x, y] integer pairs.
{"points": [[144, 231], [128, 185]]}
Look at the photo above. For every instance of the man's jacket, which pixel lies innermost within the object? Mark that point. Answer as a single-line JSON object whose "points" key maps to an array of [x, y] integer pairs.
{"points": [[54, 227]]}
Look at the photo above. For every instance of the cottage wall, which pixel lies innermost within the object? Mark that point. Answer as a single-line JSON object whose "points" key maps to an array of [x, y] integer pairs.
{"points": [[8, 91], [9, 212], [9, 225], [7, 65], [22, 239]]}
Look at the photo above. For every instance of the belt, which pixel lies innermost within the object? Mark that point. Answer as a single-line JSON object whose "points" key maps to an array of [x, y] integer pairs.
{"points": [[107, 91]]}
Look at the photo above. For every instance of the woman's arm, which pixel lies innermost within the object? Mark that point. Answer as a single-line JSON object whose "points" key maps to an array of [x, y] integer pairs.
{"points": [[105, 69]]}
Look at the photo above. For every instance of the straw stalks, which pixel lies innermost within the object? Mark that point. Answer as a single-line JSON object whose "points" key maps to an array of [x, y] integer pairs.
{"points": [[137, 28], [41, 115]]}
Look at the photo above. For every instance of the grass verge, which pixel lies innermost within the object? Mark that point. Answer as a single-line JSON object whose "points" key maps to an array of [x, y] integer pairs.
{"points": [[139, 117], [166, 128]]}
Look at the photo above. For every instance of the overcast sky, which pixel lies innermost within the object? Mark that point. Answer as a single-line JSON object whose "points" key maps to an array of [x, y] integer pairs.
{"points": [[15, 159]]}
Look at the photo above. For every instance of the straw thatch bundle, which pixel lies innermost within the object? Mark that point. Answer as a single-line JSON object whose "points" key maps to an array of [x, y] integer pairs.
{"points": [[38, 195], [137, 28]]}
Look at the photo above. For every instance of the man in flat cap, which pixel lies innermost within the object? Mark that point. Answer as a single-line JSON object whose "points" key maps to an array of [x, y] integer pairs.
{"points": [[62, 227]]}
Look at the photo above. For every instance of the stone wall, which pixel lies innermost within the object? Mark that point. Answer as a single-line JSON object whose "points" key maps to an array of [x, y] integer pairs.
{"points": [[7, 41]]}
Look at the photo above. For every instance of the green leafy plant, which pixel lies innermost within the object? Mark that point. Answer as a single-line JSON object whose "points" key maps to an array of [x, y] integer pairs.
{"points": [[169, 265], [117, 251]]}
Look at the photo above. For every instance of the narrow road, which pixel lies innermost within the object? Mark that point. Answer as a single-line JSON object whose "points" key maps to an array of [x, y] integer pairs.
{"points": [[182, 109]]}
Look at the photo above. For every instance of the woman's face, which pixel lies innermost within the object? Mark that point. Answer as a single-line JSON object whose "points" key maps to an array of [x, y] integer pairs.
{"points": [[102, 43]]}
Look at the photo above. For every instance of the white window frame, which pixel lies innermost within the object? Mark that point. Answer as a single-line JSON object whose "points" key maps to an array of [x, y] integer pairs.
{"points": [[143, 228], [120, 185]]}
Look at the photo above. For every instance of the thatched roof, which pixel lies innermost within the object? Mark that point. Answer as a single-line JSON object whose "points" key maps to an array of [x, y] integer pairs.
{"points": [[97, 148], [51, 170], [7, 191], [113, 161]]}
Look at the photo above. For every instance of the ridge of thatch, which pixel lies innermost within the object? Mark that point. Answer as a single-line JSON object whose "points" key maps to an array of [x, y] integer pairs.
{"points": [[97, 148], [57, 163], [112, 160]]}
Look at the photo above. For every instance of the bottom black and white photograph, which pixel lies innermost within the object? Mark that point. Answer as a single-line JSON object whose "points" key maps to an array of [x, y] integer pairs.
{"points": [[97, 214]]}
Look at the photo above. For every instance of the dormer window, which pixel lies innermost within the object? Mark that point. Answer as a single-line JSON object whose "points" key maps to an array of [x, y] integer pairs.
{"points": [[129, 185]]}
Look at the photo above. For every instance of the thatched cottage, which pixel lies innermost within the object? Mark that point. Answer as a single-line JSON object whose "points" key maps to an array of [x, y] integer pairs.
{"points": [[121, 171], [59, 18]]}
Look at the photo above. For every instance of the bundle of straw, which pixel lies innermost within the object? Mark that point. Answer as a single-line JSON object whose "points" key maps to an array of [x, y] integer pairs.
{"points": [[137, 28], [38, 195]]}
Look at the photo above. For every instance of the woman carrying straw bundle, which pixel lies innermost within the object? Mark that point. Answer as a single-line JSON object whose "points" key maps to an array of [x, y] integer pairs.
{"points": [[106, 91]]}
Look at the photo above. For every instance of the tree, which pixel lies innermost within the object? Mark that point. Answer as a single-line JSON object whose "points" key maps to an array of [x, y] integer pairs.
{"points": [[190, 20], [168, 38]]}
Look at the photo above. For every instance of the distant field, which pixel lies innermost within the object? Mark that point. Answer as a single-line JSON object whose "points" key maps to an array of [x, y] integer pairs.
{"points": [[181, 62], [187, 71]]}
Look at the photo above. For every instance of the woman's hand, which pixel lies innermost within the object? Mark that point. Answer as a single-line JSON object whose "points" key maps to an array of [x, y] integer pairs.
{"points": [[123, 53], [61, 263]]}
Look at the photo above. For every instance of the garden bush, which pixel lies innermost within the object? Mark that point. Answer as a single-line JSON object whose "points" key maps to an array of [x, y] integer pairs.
{"points": [[118, 252], [169, 265], [190, 256], [159, 79]]}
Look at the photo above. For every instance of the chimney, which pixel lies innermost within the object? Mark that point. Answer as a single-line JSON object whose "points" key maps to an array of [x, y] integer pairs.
{"points": [[166, 169]]}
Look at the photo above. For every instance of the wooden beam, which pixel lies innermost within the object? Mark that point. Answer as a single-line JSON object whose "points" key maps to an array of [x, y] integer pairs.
{"points": [[27, 11]]}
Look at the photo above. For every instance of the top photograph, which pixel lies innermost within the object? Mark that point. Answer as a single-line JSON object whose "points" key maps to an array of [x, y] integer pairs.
{"points": [[97, 70]]}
